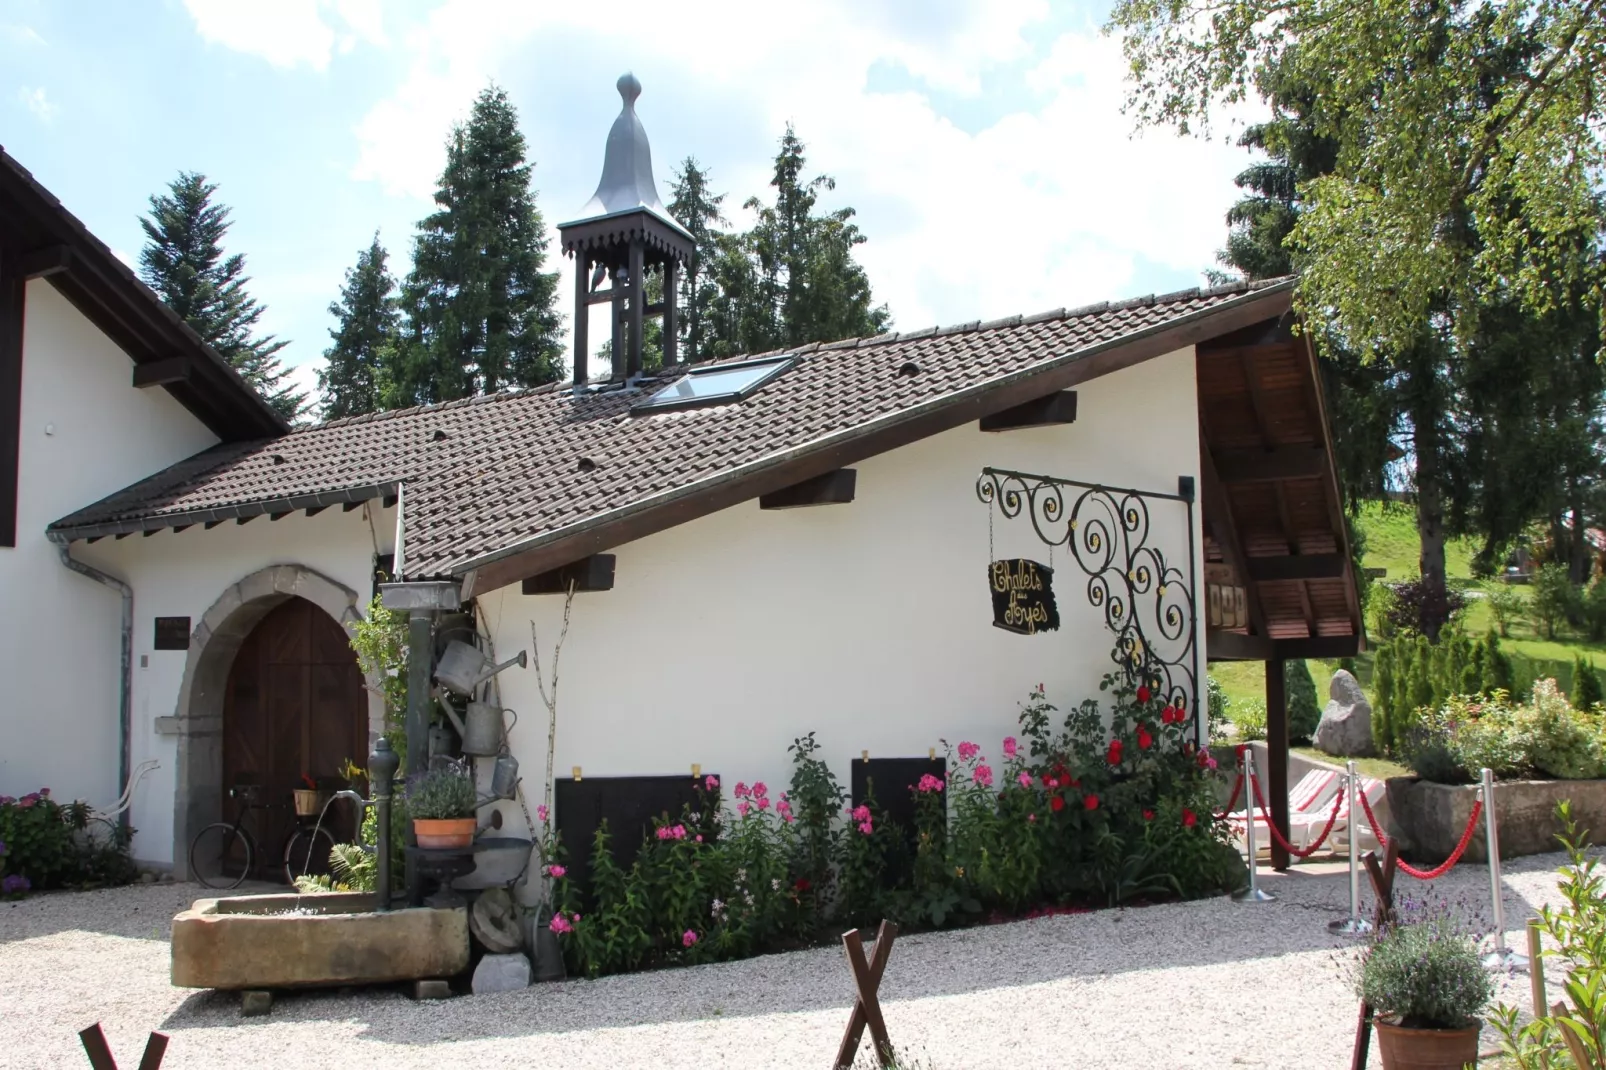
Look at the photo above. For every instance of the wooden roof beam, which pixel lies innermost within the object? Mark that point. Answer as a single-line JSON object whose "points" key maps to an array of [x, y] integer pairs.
{"points": [[1271, 465], [833, 488], [1056, 408], [1224, 529], [163, 372]]}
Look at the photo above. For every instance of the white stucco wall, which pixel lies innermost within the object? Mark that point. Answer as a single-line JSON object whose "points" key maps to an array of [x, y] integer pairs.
{"points": [[181, 574], [86, 432], [869, 623]]}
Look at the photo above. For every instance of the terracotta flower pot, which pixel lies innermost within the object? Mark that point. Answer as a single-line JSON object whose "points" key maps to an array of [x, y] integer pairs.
{"points": [[1427, 1049], [444, 833]]}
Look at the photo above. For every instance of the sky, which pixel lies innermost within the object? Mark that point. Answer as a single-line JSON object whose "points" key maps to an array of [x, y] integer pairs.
{"points": [[981, 141]]}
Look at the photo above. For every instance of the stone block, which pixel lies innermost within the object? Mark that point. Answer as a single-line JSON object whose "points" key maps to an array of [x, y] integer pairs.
{"points": [[432, 990], [254, 1003], [1346, 725], [501, 973], [1430, 817], [290, 941]]}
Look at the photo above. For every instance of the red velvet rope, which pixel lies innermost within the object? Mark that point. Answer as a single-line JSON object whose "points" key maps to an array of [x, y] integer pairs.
{"points": [[1443, 867], [1277, 835], [1237, 786]]}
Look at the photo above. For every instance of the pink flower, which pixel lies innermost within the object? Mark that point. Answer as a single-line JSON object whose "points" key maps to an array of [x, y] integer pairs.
{"points": [[866, 828], [1026, 780], [556, 871], [541, 812], [742, 790], [983, 775], [699, 838], [759, 790], [663, 833], [560, 924], [27, 801], [1032, 817], [711, 782], [929, 783], [763, 803], [742, 807], [860, 812], [1210, 763], [678, 832], [688, 938], [967, 751], [1010, 746], [44, 793], [784, 808]]}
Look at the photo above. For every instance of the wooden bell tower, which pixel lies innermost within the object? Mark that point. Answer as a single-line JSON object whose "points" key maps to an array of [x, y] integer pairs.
{"points": [[623, 233]]}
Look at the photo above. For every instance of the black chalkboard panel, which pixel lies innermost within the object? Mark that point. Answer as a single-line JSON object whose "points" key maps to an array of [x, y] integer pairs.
{"points": [[628, 803], [172, 633], [892, 780]]}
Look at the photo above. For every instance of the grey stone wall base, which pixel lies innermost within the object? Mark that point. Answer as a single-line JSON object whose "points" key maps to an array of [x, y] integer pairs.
{"points": [[1430, 817]]}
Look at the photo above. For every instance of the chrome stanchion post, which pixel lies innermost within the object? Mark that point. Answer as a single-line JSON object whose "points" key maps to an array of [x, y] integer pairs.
{"points": [[1354, 925], [1501, 957], [1253, 893]]}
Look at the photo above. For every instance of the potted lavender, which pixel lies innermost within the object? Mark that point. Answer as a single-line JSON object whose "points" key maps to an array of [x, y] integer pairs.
{"points": [[1427, 991], [441, 803]]}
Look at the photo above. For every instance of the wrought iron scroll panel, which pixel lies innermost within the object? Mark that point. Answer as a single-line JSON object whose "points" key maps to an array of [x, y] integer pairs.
{"points": [[1147, 599]]}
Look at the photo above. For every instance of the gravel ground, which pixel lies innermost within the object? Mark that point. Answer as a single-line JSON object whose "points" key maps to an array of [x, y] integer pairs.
{"points": [[1204, 984]]}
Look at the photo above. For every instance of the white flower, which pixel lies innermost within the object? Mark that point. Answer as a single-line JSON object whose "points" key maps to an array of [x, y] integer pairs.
{"points": [[775, 885], [741, 876]]}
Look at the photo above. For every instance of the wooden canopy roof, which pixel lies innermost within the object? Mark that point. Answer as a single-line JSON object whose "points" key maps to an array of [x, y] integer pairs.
{"points": [[1280, 583]]}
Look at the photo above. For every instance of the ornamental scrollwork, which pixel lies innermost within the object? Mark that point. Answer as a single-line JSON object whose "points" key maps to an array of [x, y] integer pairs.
{"points": [[1146, 599]]}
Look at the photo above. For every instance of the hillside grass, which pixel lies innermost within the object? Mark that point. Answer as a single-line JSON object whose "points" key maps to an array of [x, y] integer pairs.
{"points": [[1392, 544]]}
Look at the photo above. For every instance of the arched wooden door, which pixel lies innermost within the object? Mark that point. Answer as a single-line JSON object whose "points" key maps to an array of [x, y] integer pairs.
{"points": [[294, 707]]}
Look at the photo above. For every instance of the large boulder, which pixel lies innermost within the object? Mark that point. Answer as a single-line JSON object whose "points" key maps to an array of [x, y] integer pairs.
{"points": [[501, 973], [1346, 726]]}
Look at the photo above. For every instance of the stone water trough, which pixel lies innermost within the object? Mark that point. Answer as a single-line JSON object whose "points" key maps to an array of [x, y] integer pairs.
{"points": [[299, 941]]}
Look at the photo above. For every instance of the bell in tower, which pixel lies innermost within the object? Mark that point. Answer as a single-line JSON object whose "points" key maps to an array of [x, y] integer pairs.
{"points": [[624, 233]]}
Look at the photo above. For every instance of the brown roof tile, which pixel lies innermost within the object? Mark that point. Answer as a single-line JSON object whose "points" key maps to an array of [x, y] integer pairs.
{"points": [[486, 473]]}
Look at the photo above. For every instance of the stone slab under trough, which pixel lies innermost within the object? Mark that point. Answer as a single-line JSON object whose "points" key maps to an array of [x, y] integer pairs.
{"points": [[297, 941]]}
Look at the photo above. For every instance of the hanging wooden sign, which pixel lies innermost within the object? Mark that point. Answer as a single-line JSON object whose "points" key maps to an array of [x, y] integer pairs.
{"points": [[1023, 596]]}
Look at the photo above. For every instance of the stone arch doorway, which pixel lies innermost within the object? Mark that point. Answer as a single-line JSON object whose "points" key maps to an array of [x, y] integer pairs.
{"points": [[222, 634], [293, 708]]}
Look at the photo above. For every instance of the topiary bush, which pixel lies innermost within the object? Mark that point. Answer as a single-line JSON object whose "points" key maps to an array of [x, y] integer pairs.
{"points": [[1304, 712]]}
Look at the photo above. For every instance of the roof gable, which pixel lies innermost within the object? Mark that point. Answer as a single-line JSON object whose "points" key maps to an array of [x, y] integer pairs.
{"points": [[48, 241]]}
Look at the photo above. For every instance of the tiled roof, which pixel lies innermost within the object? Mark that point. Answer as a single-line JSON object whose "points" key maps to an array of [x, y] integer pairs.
{"points": [[487, 474]]}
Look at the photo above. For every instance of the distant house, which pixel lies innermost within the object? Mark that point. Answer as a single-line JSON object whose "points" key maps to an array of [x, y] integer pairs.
{"points": [[815, 540]]}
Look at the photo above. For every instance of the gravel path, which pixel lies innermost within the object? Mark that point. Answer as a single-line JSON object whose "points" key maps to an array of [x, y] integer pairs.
{"points": [[1204, 984]]}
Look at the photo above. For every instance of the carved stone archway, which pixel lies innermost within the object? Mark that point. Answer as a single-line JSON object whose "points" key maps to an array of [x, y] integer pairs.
{"points": [[198, 717]]}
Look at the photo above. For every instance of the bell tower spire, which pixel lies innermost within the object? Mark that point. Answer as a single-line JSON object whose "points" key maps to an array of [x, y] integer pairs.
{"points": [[623, 233]]}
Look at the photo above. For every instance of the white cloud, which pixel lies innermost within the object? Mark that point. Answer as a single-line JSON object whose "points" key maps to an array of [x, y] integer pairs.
{"points": [[288, 33], [17, 34], [38, 103]]}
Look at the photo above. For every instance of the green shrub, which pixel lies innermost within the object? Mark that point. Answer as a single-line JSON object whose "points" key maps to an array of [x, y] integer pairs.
{"points": [[1544, 737], [1586, 690], [1304, 712], [1565, 745], [1250, 720], [1425, 975], [1556, 600], [1505, 604], [44, 844]]}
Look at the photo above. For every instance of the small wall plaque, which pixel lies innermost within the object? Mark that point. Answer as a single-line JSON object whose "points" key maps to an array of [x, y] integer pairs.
{"points": [[172, 633]]}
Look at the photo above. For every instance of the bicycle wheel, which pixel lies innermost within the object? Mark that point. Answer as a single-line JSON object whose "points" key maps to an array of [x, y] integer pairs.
{"points": [[221, 855], [306, 852]]}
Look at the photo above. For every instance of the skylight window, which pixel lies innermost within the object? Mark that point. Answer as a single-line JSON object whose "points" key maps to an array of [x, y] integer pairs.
{"points": [[715, 385]]}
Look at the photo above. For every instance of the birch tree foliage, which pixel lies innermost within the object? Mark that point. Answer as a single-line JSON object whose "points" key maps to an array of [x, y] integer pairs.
{"points": [[1472, 143]]}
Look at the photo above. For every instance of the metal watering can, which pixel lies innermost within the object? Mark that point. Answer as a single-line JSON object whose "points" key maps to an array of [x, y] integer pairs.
{"points": [[463, 668], [480, 727]]}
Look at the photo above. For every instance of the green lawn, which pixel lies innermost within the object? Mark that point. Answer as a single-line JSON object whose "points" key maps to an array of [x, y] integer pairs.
{"points": [[1392, 544]]}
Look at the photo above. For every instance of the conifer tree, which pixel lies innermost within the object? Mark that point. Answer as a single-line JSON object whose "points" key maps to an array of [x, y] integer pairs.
{"points": [[1586, 691], [482, 314], [368, 328], [696, 209], [184, 262]]}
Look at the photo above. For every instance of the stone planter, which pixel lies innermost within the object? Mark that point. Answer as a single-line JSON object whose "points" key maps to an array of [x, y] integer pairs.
{"points": [[1429, 818], [290, 941]]}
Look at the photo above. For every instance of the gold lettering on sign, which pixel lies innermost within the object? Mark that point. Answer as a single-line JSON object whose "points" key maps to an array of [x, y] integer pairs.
{"points": [[1016, 584]]}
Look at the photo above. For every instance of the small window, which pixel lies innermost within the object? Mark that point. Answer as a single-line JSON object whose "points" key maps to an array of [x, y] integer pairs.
{"points": [[710, 386]]}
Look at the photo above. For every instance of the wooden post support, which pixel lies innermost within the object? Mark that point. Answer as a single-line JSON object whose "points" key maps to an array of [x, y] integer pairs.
{"points": [[1383, 888], [867, 1007], [100, 1053], [1536, 968], [1276, 782]]}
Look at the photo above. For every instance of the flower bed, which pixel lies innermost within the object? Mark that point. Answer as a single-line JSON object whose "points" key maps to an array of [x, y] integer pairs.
{"points": [[1112, 804], [44, 844]]}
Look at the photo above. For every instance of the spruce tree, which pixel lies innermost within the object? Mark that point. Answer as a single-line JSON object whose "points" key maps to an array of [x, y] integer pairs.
{"points": [[368, 328], [184, 262], [1383, 698], [1586, 691], [1299, 689], [482, 314], [1497, 673], [696, 209]]}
